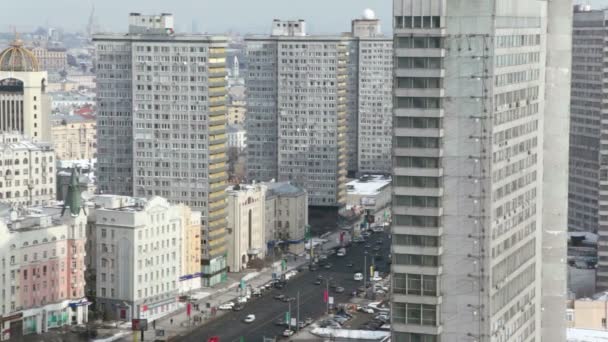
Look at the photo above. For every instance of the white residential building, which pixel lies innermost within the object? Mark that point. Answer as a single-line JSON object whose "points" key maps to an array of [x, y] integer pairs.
{"points": [[237, 137], [141, 262], [27, 170], [246, 220], [480, 169]]}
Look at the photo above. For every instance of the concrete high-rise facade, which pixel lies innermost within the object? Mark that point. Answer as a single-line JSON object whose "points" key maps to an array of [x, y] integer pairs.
{"points": [[296, 110], [319, 106], [480, 143], [588, 162], [370, 144], [162, 123]]}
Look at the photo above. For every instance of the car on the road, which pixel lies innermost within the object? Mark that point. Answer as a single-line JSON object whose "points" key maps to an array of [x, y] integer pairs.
{"points": [[226, 306], [279, 285], [327, 266], [361, 289], [308, 320], [339, 289], [376, 278], [350, 264], [238, 307], [318, 282], [379, 242], [288, 333], [280, 322], [377, 248], [322, 257], [366, 309], [358, 276], [333, 284], [279, 297], [288, 299], [367, 245], [313, 267], [382, 317], [301, 324], [249, 319]]}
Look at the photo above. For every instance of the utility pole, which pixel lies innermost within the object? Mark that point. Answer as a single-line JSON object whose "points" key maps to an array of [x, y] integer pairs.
{"points": [[298, 312], [327, 291], [289, 322], [365, 271]]}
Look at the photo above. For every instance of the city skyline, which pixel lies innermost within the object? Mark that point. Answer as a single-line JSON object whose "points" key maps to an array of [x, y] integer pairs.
{"points": [[211, 16]]}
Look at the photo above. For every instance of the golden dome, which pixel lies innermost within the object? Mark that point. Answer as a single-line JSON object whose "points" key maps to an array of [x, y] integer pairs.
{"points": [[18, 58]]}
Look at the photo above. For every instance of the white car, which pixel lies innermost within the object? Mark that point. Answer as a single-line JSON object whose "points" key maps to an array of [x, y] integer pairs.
{"points": [[287, 333], [242, 299], [375, 278], [367, 309], [358, 276], [226, 306], [249, 319]]}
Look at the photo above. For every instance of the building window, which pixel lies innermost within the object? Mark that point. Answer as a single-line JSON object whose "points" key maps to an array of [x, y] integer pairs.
{"points": [[416, 240], [417, 260], [413, 337], [418, 82], [415, 314], [415, 284], [418, 201], [418, 162], [417, 182], [418, 102], [417, 142], [417, 221]]}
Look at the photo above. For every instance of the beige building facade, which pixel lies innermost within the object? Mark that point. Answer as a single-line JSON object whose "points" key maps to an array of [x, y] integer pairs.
{"points": [[74, 138], [246, 219], [51, 59], [588, 313], [286, 215]]}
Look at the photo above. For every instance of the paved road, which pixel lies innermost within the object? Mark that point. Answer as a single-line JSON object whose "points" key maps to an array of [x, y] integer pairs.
{"points": [[230, 327]]}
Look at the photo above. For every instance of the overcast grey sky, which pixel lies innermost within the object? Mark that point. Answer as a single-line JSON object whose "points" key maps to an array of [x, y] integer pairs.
{"points": [[255, 16]]}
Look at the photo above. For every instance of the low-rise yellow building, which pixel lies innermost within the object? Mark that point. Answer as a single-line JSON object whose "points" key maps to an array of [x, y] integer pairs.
{"points": [[74, 137]]}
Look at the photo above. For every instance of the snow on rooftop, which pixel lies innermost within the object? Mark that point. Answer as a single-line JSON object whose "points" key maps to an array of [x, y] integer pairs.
{"points": [[367, 185], [586, 335]]}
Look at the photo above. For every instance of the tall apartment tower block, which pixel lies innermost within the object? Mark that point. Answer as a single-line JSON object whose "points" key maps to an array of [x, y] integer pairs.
{"points": [[161, 123], [588, 158], [480, 169], [319, 106]]}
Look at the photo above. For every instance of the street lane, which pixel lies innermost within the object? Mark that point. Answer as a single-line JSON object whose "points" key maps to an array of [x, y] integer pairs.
{"points": [[230, 327]]}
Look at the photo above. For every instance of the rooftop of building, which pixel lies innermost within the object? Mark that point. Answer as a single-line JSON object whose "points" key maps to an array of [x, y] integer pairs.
{"points": [[235, 128], [284, 188], [15, 141], [175, 37], [33, 218], [72, 96], [586, 335], [234, 189], [368, 185], [237, 93], [65, 119], [16, 58]]}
